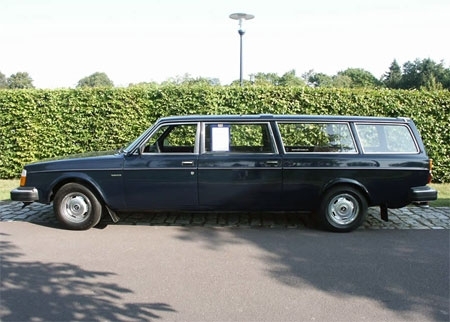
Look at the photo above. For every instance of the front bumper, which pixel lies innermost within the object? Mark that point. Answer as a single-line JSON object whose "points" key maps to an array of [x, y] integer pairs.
{"points": [[422, 194], [25, 194]]}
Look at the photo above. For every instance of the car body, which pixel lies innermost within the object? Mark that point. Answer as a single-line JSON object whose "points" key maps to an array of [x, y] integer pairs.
{"points": [[333, 166]]}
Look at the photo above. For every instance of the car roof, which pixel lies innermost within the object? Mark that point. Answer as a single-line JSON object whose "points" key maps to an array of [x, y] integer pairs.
{"points": [[278, 117]]}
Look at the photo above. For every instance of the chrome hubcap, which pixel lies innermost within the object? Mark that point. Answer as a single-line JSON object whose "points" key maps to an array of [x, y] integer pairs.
{"points": [[343, 209], [75, 207]]}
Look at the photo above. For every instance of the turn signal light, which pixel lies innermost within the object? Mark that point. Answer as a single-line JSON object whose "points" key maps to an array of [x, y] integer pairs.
{"points": [[23, 178], [430, 166]]}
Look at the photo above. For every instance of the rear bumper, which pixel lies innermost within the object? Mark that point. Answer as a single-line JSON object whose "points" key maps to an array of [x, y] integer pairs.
{"points": [[25, 194], [422, 194]]}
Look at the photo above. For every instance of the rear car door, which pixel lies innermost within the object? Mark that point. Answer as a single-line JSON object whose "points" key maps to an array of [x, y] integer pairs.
{"points": [[315, 154], [239, 167]]}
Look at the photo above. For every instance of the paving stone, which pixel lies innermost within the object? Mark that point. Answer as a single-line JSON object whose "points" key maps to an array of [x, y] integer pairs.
{"points": [[244, 221], [255, 221], [158, 219], [222, 220], [233, 219], [198, 220], [171, 219], [403, 218], [183, 220], [211, 220]]}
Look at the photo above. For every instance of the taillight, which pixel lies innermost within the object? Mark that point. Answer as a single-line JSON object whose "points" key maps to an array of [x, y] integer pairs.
{"points": [[23, 178], [430, 167]]}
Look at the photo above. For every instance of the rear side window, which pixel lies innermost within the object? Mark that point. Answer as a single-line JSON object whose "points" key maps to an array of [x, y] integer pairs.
{"points": [[317, 137], [386, 138], [239, 138]]}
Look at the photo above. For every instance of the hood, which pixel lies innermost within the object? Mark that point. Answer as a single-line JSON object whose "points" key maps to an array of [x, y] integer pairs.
{"points": [[91, 160], [85, 155]]}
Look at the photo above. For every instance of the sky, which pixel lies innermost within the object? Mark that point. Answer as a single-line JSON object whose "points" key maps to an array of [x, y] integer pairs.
{"points": [[58, 42]]}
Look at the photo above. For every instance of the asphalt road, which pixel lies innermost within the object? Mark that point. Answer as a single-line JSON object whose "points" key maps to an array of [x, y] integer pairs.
{"points": [[176, 273]]}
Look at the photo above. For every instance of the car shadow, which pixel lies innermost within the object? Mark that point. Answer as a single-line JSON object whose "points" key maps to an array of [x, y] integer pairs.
{"points": [[213, 219], [44, 291], [405, 271]]}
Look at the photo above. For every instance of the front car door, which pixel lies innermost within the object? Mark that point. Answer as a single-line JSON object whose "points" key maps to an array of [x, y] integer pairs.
{"points": [[163, 173], [239, 167]]}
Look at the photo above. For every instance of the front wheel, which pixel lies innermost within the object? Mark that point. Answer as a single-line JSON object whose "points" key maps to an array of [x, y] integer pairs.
{"points": [[77, 207], [342, 209]]}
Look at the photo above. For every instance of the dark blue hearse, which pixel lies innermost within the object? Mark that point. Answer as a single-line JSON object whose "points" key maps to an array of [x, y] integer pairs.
{"points": [[334, 167]]}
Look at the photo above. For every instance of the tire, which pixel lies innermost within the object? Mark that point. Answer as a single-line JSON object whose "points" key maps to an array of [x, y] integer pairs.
{"points": [[342, 209], [77, 207]]}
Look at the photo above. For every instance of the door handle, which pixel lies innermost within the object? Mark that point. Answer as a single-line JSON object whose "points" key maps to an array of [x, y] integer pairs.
{"points": [[187, 163], [272, 162]]}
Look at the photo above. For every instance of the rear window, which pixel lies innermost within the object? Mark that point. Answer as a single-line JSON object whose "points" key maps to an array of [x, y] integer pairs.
{"points": [[386, 138], [317, 137]]}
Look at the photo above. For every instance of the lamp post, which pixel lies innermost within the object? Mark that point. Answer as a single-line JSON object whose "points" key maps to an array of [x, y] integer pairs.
{"points": [[241, 17]]}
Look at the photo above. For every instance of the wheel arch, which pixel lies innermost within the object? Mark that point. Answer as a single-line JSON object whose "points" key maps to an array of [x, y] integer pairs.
{"points": [[347, 182], [79, 178]]}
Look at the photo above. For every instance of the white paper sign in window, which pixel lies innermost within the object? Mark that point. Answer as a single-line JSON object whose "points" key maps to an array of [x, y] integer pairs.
{"points": [[220, 138]]}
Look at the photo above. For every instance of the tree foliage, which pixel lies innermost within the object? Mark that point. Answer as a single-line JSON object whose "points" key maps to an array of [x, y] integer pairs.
{"points": [[287, 79], [187, 79], [393, 78], [20, 80], [290, 79], [95, 80], [418, 74], [360, 78], [3, 82], [349, 78]]}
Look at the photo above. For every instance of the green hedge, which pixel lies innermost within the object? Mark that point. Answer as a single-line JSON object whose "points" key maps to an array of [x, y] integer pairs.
{"points": [[38, 124]]}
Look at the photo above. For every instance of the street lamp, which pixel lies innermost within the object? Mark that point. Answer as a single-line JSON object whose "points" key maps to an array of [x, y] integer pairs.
{"points": [[241, 17]]}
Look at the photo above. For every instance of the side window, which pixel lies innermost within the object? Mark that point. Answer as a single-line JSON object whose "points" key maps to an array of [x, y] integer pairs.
{"points": [[177, 138], [386, 138], [243, 138], [317, 137]]}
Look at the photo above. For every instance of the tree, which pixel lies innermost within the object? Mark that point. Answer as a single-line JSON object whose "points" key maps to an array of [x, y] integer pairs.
{"points": [[187, 79], [20, 80], [3, 82], [425, 74], [430, 74], [360, 78], [143, 84], [266, 79], [95, 80], [318, 79], [393, 78], [289, 79], [342, 81]]}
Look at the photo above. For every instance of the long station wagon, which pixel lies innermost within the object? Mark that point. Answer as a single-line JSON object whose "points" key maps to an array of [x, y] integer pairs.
{"points": [[333, 167]]}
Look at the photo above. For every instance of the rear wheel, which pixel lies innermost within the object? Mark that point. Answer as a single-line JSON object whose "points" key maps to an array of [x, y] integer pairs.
{"points": [[342, 209], [77, 207]]}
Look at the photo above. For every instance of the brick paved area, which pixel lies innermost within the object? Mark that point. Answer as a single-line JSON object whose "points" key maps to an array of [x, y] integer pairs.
{"points": [[404, 218]]}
